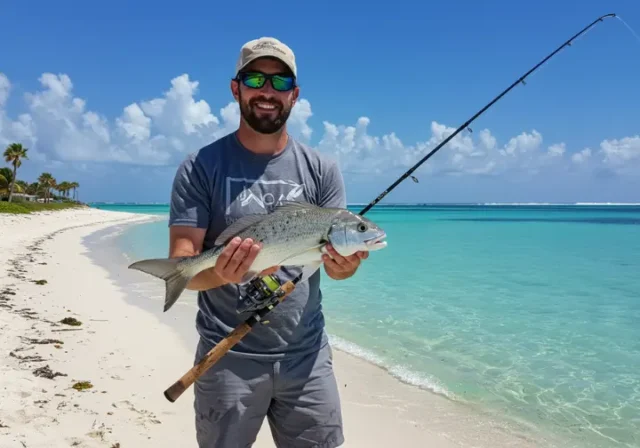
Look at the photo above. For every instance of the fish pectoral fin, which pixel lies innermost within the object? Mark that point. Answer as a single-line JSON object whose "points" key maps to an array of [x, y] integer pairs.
{"points": [[238, 226], [306, 256], [310, 269]]}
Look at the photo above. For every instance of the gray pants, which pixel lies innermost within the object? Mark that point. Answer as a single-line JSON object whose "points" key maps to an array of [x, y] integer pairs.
{"points": [[298, 396]]}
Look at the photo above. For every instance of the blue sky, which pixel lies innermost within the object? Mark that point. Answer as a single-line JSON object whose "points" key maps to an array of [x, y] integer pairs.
{"points": [[380, 87]]}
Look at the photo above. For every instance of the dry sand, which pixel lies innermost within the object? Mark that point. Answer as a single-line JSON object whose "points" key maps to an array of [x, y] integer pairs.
{"points": [[131, 354]]}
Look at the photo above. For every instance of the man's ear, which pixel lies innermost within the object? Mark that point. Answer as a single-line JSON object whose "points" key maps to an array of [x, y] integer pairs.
{"points": [[296, 93], [234, 89]]}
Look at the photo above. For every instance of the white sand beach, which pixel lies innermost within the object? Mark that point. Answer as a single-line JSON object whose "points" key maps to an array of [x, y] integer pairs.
{"points": [[131, 355]]}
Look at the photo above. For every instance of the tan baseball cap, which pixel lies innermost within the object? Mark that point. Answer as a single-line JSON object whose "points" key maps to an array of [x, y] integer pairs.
{"points": [[266, 47]]}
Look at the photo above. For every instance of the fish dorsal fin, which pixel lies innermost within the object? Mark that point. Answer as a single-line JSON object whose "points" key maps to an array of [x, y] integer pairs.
{"points": [[238, 226], [295, 205], [286, 206]]}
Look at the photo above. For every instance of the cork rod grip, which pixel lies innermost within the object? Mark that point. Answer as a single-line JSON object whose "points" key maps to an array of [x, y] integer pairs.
{"points": [[214, 355]]}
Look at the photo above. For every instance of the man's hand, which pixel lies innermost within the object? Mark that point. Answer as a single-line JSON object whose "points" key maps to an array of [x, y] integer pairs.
{"points": [[338, 267], [236, 259], [233, 263]]}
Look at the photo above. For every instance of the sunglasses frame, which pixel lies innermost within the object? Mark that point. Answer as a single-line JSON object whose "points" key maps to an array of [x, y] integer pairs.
{"points": [[268, 78]]}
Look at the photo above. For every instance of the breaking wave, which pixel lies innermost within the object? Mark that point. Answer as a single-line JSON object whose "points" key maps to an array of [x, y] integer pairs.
{"points": [[399, 372]]}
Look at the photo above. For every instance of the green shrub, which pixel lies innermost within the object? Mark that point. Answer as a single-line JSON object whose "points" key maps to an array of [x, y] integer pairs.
{"points": [[10, 207], [29, 207]]}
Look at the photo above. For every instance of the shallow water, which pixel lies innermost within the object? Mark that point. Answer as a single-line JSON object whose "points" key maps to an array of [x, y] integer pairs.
{"points": [[529, 311]]}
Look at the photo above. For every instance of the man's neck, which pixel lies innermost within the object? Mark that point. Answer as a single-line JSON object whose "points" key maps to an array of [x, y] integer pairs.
{"points": [[271, 144]]}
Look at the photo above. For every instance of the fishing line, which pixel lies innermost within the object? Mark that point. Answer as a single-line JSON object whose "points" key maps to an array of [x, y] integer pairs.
{"points": [[629, 28], [465, 125]]}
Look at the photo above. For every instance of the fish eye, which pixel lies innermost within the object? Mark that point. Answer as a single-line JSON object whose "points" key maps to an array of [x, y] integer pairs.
{"points": [[362, 227]]}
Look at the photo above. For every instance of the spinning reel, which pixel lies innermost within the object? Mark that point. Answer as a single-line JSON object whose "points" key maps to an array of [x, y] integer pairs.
{"points": [[260, 293]]}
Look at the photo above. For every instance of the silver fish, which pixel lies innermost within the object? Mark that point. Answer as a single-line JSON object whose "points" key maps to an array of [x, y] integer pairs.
{"points": [[293, 234]]}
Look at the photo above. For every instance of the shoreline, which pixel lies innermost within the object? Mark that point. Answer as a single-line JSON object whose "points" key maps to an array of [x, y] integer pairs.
{"points": [[43, 358], [142, 356]]}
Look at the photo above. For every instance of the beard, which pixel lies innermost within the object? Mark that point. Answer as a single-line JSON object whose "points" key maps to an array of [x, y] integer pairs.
{"points": [[264, 124]]}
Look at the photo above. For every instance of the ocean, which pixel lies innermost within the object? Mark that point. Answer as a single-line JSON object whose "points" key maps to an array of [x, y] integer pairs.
{"points": [[528, 311]]}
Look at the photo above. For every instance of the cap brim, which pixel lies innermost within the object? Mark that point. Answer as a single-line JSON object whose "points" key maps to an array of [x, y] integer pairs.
{"points": [[265, 56]]}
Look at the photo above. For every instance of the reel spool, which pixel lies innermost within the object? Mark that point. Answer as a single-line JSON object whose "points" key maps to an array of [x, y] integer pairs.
{"points": [[261, 292]]}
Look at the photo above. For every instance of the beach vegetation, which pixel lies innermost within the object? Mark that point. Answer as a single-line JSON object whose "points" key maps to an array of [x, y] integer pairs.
{"points": [[14, 154], [71, 321], [82, 385], [45, 193], [31, 207]]}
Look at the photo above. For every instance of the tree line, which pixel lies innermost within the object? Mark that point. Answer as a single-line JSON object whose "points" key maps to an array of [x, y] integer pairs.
{"points": [[45, 185]]}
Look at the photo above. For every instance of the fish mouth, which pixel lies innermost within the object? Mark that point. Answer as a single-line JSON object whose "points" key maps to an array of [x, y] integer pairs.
{"points": [[376, 243]]}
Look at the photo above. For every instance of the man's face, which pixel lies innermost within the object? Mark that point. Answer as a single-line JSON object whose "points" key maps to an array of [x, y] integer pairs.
{"points": [[265, 109]]}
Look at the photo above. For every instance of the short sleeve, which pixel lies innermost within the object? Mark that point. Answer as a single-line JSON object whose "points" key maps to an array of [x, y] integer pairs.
{"points": [[190, 199], [333, 193]]}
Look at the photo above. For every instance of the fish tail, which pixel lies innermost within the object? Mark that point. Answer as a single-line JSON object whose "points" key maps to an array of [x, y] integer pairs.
{"points": [[168, 269]]}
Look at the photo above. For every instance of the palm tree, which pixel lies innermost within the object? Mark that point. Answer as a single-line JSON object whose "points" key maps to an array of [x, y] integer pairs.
{"points": [[7, 173], [34, 188], [73, 185], [64, 188], [4, 185], [48, 182], [6, 176], [14, 154], [21, 186], [60, 188]]}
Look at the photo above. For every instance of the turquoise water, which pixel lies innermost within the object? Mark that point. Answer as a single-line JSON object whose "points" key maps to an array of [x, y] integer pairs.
{"points": [[529, 311]]}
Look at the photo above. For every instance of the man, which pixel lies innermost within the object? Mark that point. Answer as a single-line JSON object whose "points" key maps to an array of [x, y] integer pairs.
{"points": [[283, 369]]}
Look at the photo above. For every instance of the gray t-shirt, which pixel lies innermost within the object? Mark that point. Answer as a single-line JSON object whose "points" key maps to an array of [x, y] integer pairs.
{"points": [[225, 181]]}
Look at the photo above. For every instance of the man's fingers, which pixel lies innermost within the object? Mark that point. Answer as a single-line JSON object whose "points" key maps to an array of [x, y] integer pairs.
{"points": [[226, 254], [245, 264], [332, 264], [335, 255], [345, 262], [241, 252]]}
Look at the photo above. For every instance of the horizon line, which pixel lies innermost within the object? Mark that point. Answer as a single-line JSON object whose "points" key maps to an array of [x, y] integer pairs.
{"points": [[405, 204]]}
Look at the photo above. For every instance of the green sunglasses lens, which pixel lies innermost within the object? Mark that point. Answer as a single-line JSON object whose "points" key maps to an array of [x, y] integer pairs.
{"points": [[282, 83], [254, 80], [257, 80]]}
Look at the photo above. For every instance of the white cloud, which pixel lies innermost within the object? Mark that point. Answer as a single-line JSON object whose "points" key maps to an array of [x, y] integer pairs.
{"points": [[557, 150], [623, 155], [58, 127], [298, 119], [5, 87], [582, 156]]}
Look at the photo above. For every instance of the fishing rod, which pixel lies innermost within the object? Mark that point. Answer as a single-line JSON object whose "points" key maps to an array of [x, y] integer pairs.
{"points": [[264, 293], [480, 112]]}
